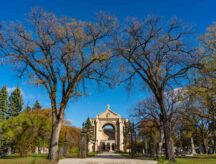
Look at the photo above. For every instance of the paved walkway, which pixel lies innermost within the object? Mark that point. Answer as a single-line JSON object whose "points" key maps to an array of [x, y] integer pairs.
{"points": [[106, 158]]}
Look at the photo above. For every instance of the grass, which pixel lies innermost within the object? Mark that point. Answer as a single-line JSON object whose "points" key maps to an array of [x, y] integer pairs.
{"points": [[72, 155], [41, 159], [32, 159], [198, 159], [92, 154], [124, 154]]}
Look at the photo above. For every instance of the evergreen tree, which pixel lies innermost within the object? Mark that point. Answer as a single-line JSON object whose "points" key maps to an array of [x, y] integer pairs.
{"points": [[36, 105], [3, 103], [89, 130], [15, 102], [27, 109]]}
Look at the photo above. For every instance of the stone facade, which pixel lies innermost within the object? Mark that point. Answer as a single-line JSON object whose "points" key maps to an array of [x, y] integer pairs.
{"points": [[108, 139]]}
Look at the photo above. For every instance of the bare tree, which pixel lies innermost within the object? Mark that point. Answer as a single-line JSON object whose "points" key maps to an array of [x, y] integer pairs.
{"points": [[60, 54], [146, 115], [159, 56], [148, 110]]}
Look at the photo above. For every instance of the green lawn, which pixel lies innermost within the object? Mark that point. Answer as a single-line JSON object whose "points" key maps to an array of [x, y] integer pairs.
{"points": [[41, 159], [32, 159], [198, 159], [92, 154], [71, 155], [124, 154], [189, 161]]}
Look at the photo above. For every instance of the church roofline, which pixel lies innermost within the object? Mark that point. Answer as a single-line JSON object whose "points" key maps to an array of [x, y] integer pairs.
{"points": [[108, 109]]}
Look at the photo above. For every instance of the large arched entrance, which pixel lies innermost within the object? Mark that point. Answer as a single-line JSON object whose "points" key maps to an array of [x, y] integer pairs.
{"points": [[109, 137], [108, 131]]}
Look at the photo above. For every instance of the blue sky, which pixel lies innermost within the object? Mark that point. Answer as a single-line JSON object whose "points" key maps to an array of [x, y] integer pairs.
{"points": [[199, 13]]}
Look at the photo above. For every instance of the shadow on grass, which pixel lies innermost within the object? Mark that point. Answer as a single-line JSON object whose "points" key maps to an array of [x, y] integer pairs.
{"points": [[199, 156], [30, 159], [71, 155], [197, 159], [14, 156], [92, 154]]}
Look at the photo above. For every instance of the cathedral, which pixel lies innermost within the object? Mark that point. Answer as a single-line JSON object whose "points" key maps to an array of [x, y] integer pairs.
{"points": [[108, 132]]}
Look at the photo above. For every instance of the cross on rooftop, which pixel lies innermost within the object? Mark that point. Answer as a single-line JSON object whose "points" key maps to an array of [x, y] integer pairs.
{"points": [[108, 106]]}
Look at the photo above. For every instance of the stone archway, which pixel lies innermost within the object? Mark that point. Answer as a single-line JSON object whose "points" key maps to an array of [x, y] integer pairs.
{"points": [[108, 130], [109, 133]]}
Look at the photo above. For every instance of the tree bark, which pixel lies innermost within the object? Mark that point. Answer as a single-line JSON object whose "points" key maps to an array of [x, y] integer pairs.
{"points": [[214, 147], [203, 144], [53, 149], [169, 153], [193, 151], [160, 144]]}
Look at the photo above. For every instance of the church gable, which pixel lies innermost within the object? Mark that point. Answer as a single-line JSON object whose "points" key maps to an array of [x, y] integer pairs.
{"points": [[108, 114]]}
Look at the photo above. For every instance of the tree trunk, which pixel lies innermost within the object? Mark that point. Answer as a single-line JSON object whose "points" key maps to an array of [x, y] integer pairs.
{"points": [[214, 147], [146, 147], [204, 146], [160, 142], [8, 151], [169, 153], [193, 151], [53, 149]]}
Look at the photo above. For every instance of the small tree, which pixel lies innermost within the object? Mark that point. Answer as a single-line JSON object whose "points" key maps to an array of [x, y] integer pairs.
{"points": [[3, 103], [24, 130], [27, 109], [36, 105], [3, 115], [15, 102], [89, 130], [70, 139]]}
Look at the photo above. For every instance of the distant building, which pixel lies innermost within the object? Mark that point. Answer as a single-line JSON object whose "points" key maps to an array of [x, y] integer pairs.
{"points": [[108, 132]]}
